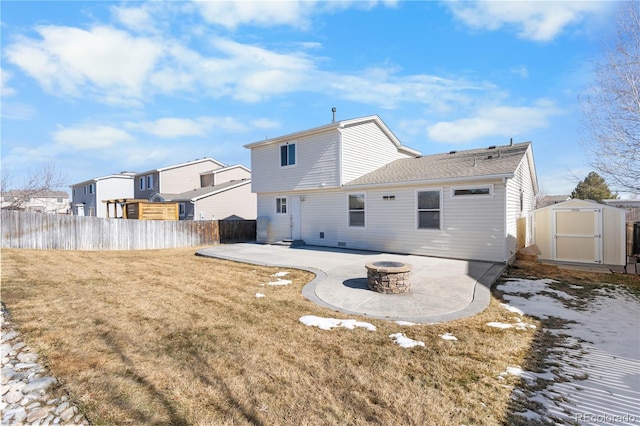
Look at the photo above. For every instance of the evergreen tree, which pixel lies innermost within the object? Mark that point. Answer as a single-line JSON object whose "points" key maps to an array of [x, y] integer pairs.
{"points": [[593, 187]]}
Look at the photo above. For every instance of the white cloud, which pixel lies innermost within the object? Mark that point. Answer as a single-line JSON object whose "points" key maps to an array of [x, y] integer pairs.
{"points": [[68, 61], [5, 90], [135, 18], [261, 13], [91, 137], [170, 127], [533, 20], [293, 13], [494, 121]]}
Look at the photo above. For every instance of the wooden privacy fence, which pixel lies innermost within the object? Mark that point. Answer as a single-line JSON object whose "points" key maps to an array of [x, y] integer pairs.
{"points": [[60, 232], [237, 231]]}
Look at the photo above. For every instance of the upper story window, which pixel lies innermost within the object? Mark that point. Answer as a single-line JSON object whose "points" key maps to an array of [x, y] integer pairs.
{"points": [[357, 210], [281, 205], [149, 181], [142, 183], [90, 189], [472, 191], [288, 154], [429, 209]]}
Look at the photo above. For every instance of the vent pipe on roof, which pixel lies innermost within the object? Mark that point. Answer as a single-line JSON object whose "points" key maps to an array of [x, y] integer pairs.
{"points": [[333, 110], [511, 142]]}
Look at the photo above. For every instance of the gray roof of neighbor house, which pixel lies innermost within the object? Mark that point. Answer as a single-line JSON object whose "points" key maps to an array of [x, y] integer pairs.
{"points": [[206, 191], [495, 161], [36, 194]]}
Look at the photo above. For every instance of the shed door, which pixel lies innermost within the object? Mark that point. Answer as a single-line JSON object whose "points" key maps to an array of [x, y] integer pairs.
{"points": [[577, 235]]}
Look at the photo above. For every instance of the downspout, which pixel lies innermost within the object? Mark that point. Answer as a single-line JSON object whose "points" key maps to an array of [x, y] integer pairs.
{"points": [[505, 246]]}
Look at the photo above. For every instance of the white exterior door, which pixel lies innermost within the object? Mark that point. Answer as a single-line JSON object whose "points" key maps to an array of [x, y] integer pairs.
{"points": [[294, 216], [578, 235]]}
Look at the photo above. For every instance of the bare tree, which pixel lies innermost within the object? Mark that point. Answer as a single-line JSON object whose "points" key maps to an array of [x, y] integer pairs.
{"points": [[35, 184], [611, 108]]}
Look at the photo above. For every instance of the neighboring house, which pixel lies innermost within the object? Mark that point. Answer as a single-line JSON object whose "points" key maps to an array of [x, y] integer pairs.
{"points": [[225, 192], [353, 184], [87, 198], [50, 202], [174, 179], [552, 199], [631, 206]]}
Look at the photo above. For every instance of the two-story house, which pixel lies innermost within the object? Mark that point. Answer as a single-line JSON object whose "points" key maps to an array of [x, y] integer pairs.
{"points": [[353, 184], [45, 201], [223, 193], [87, 197], [173, 179]]}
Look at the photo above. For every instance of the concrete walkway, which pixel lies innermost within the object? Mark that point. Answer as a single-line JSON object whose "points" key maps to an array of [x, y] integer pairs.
{"points": [[441, 289]]}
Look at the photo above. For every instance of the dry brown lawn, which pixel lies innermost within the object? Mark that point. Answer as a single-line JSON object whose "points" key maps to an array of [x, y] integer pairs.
{"points": [[166, 337]]}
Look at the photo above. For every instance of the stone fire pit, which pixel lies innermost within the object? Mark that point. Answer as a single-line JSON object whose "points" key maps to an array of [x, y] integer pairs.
{"points": [[389, 277]]}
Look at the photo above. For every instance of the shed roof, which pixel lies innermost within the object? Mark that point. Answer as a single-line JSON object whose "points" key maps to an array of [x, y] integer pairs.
{"points": [[495, 161]]}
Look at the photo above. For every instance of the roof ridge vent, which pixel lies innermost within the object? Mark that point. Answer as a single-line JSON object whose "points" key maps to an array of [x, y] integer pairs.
{"points": [[492, 147], [452, 152]]}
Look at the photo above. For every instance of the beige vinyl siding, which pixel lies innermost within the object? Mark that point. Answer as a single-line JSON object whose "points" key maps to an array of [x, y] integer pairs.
{"points": [[521, 182], [232, 173], [316, 164], [366, 148], [279, 225], [182, 179], [237, 201]]}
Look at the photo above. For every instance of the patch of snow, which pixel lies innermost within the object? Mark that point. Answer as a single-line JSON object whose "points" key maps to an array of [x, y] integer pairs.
{"points": [[259, 295], [448, 336], [596, 372], [280, 274], [512, 308], [329, 323], [280, 282], [407, 323], [499, 325], [404, 341]]}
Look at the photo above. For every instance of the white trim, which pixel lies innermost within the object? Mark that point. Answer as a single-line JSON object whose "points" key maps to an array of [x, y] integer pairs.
{"points": [[286, 204], [471, 196], [364, 194], [440, 190], [295, 154]]}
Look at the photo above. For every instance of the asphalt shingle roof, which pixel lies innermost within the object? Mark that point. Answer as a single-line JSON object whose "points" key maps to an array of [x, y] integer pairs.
{"points": [[499, 160]]}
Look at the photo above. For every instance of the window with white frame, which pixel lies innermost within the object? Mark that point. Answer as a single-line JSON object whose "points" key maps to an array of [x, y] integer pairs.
{"points": [[142, 182], [357, 203], [149, 181], [91, 188], [281, 205], [429, 209], [472, 191], [287, 154]]}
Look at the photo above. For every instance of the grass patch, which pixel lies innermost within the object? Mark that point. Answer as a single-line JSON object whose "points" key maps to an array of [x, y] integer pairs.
{"points": [[167, 337]]}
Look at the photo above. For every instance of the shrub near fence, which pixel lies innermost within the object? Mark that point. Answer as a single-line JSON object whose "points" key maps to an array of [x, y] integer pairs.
{"points": [[60, 232]]}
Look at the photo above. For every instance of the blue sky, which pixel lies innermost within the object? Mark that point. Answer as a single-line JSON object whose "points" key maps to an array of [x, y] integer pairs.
{"points": [[99, 87]]}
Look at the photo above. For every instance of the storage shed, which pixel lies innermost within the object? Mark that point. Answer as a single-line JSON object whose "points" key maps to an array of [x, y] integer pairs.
{"points": [[580, 231]]}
